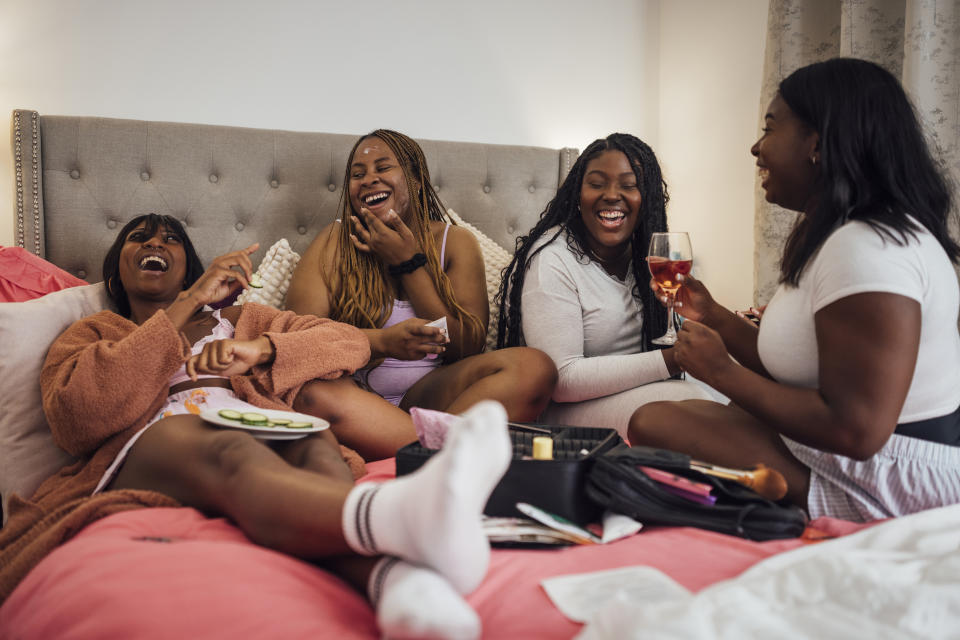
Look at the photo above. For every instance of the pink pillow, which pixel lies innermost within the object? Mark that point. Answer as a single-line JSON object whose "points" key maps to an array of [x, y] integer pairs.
{"points": [[24, 276]]}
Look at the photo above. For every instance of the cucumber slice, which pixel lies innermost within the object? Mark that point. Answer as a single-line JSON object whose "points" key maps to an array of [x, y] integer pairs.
{"points": [[254, 419], [230, 414], [279, 422], [300, 425], [255, 281]]}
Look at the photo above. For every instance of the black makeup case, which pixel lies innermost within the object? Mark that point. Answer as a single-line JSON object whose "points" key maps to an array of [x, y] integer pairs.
{"points": [[557, 485]]}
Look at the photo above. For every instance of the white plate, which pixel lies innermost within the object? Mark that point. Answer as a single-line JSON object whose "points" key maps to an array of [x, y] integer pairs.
{"points": [[269, 433]]}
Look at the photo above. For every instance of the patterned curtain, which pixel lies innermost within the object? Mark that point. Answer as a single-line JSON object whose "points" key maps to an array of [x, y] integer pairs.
{"points": [[916, 40]]}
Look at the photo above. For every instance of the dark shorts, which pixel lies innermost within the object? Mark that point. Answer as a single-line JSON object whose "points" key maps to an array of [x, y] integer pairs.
{"points": [[945, 429]]}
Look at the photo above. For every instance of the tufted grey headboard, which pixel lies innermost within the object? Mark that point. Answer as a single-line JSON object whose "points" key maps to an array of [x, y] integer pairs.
{"points": [[79, 179]]}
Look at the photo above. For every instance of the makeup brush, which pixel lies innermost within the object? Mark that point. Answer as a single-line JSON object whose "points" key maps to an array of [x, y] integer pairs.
{"points": [[767, 482], [527, 427]]}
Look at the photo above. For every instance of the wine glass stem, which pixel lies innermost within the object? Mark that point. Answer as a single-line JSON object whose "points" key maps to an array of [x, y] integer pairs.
{"points": [[670, 337], [671, 331]]}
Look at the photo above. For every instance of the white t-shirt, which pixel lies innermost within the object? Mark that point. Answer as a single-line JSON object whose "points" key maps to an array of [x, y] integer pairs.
{"points": [[856, 259], [587, 321]]}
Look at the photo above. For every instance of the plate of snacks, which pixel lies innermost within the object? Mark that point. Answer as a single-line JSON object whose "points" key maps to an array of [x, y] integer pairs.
{"points": [[266, 424]]}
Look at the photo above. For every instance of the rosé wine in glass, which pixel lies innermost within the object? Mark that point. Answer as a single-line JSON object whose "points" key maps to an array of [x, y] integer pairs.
{"points": [[670, 255]]}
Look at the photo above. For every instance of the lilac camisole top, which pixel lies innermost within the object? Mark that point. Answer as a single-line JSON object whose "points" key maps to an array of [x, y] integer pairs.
{"points": [[393, 378]]}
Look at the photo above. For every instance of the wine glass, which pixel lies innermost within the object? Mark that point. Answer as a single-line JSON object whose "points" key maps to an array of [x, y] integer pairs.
{"points": [[669, 255]]}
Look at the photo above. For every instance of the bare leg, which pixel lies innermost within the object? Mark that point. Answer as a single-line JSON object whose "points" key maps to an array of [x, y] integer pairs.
{"points": [[520, 378], [721, 434], [319, 452], [230, 473], [359, 419], [430, 518]]}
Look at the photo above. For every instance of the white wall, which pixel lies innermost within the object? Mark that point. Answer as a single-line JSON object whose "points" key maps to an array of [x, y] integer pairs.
{"points": [[711, 65], [557, 73]]}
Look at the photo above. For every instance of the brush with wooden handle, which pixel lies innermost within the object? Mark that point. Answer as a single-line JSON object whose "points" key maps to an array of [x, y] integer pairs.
{"points": [[767, 482]]}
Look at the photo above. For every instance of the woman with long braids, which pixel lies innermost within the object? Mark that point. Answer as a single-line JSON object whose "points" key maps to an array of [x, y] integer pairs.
{"points": [[573, 289], [851, 385], [394, 260]]}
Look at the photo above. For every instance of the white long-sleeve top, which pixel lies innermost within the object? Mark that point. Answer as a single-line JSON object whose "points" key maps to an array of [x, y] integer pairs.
{"points": [[587, 321]]}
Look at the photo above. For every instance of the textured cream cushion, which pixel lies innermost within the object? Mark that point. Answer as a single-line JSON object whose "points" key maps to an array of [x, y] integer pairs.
{"points": [[27, 329], [275, 271], [495, 259]]}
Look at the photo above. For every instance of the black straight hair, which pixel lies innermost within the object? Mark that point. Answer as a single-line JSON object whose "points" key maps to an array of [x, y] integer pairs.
{"points": [[875, 165], [152, 222], [564, 212]]}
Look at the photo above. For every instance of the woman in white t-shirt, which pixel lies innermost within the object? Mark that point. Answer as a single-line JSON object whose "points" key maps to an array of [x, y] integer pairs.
{"points": [[851, 385], [576, 289]]}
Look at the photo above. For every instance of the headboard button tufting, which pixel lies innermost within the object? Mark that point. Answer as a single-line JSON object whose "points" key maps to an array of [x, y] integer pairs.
{"points": [[75, 174], [532, 189], [214, 177], [302, 230], [331, 187], [144, 175], [486, 188], [111, 224], [274, 183], [238, 226]]}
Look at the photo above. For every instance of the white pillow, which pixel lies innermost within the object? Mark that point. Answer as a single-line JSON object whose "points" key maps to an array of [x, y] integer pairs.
{"points": [[28, 455], [495, 259], [275, 271]]}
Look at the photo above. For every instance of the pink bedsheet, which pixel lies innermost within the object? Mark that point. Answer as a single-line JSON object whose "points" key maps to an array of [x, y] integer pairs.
{"points": [[172, 573]]}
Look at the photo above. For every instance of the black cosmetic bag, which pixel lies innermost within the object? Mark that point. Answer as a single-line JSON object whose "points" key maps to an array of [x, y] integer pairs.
{"points": [[616, 483]]}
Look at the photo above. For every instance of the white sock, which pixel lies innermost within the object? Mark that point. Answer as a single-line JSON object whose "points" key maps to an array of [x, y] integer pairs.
{"points": [[415, 602], [432, 517]]}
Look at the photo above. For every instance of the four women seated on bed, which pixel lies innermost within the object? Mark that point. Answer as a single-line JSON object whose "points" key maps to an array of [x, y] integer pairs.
{"points": [[851, 386]]}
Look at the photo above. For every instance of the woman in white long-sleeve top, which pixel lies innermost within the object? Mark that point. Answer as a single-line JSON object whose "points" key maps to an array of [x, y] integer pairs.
{"points": [[577, 289]]}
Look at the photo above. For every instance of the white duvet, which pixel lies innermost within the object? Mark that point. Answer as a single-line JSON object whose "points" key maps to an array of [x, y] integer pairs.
{"points": [[898, 579]]}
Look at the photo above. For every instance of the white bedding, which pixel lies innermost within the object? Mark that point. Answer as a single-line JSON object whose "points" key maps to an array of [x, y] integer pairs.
{"points": [[898, 579]]}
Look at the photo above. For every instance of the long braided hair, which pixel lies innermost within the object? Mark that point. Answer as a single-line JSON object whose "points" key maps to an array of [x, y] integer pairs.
{"points": [[362, 295], [564, 212]]}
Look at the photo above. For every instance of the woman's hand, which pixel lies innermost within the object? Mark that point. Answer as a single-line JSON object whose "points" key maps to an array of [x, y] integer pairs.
{"points": [[693, 300], [230, 357], [411, 339], [700, 351], [752, 315], [388, 238], [217, 282], [221, 279]]}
